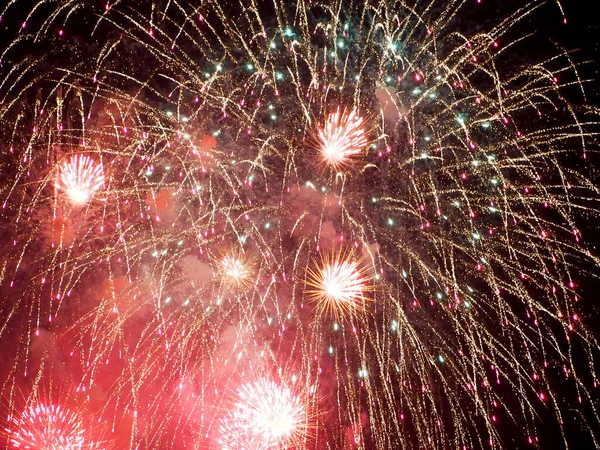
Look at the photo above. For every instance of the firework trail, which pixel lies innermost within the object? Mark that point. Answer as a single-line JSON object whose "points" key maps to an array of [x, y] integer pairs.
{"points": [[372, 197]]}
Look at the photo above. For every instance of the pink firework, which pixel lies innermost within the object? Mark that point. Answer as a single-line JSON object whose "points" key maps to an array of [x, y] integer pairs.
{"points": [[79, 177], [342, 138], [266, 416], [42, 427]]}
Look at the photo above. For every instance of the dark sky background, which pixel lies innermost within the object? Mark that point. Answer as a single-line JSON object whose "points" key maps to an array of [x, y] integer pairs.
{"points": [[581, 36], [581, 33]]}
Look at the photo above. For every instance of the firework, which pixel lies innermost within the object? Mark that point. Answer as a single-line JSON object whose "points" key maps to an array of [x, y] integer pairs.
{"points": [[43, 427], [458, 299], [338, 285], [235, 270], [265, 416], [342, 139], [79, 177]]}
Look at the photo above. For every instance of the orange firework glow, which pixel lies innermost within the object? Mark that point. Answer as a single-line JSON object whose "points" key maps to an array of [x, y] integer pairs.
{"points": [[338, 285]]}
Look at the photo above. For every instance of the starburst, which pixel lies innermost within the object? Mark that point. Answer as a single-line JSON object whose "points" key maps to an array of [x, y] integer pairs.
{"points": [[266, 415], [338, 285], [79, 177], [47, 427], [342, 139]]}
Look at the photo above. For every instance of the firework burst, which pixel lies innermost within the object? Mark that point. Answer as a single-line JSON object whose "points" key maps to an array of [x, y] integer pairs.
{"points": [[342, 139], [338, 285], [235, 270], [460, 297], [79, 177], [42, 427], [265, 416]]}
